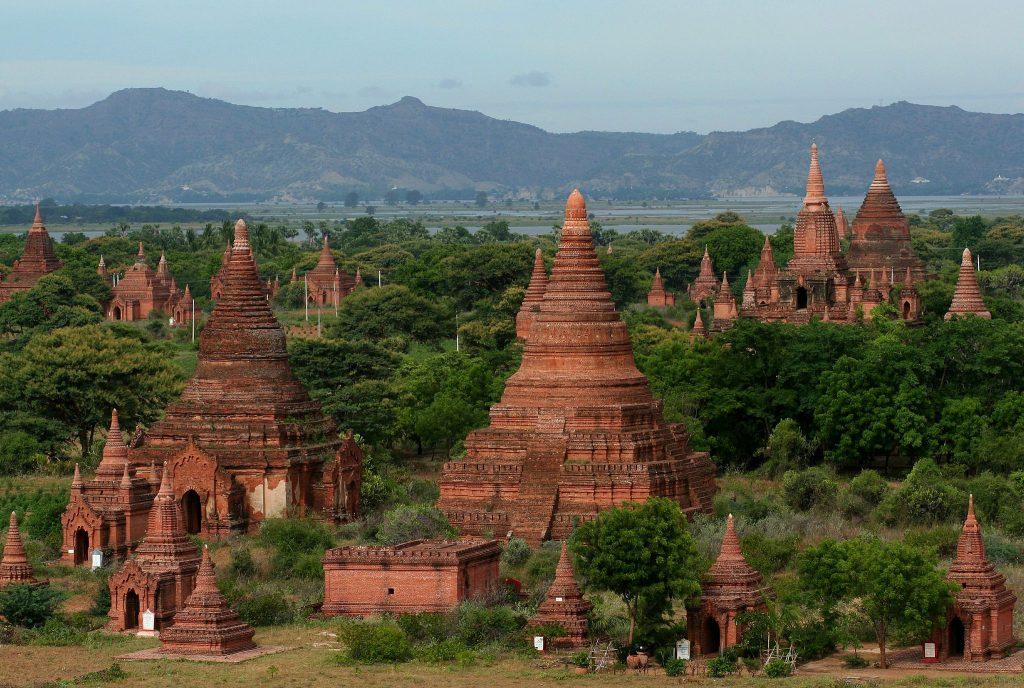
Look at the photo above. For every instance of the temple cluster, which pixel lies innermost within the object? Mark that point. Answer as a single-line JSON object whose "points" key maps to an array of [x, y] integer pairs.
{"points": [[141, 291]]}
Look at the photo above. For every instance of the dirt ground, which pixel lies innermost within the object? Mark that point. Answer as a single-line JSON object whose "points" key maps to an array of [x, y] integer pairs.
{"points": [[309, 664]]}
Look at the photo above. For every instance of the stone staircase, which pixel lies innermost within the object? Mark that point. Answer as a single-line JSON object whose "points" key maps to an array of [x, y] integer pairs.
{"points": [[534, 509]]}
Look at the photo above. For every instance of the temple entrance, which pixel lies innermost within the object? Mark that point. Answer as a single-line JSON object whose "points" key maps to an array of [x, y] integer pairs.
{"points": [[192, 508], [906, 310], [711, 643], [801, 298], [117, 312], [81, 547], [956, 637], [131, 610]]}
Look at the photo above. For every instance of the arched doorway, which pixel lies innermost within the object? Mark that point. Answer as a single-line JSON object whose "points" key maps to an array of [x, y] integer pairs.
{"points": [[801, 298], [711, 643], [192, 508], [81, 546], [906, 310], [957, 636], [117, 313], [131, 610]]}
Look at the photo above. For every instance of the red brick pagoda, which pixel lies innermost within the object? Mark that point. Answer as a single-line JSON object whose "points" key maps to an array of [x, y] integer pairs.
{"points": [[245, 441], [979, 625], [564, 605], [206, 626], [141, 291], [706, 285], [534, 295], [842, 225], [327, 285], [577, 429], [967, 296], [729, 588], [14, 566], [37, 259], [110, 511], [657, 297], [159, 578], [724, 308]]}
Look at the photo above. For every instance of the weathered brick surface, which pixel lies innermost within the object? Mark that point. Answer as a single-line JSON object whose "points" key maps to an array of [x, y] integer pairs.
{"points": [[14, 566], [36, 260]]}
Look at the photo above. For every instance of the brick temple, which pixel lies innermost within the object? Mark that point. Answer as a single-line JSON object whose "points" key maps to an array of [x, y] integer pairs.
{"points": [[967, 295], [577, 429], [705, 286], [658, 297], [416, 576], [729, 588], [14, 566], [534, 295], [326, 283], [159, 577], [141, 291], [564, 605], [37, 259], [979, 624]]}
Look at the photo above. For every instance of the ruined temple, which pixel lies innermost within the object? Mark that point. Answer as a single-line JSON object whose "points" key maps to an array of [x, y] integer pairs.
{"points": [[729, 588], [706, 284], [159, 577], [577, 429], [141, 291], [14, 566], [245, 441], [206, 626], [657, 296], [967, 296], [979, 624], [37, 259], [534, 295], [564, 605]]}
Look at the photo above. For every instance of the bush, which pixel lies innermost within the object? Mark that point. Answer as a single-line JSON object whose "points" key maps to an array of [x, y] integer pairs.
{"points": [[769, 555], [581, 659], [675, 667], [412, 522], [425, 626], [516, 553], [787, 448], [242, 564], [940, 540], [376, 643], [810, 488], [265, 609], [869, 486], [924, 497], [293, 540], [20, 452], [478, 625], [721, 666], [855, 662], [777, 668], [29, 605], [448, 650]]}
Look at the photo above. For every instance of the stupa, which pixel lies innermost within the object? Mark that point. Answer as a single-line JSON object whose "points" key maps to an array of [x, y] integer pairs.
{"points": [[657, 296], [979, 625], [967, 296], [37, 259], [14, 566], [153, 584], [577, 429], [206, 626], [327, 285], [730, 587], [534, 295], [245, 441], [564, 605], [705, 286], [724, 310]]}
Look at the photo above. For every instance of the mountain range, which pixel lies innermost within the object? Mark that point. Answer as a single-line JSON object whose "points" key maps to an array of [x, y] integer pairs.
{"points": [[152, 145]]}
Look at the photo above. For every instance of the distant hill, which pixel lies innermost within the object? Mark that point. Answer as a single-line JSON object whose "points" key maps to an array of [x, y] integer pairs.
{"points": [[154, 145]]}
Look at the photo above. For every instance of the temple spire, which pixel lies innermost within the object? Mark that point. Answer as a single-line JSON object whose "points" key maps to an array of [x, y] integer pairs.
{"points": [[14, 566], [815, 182], [115, 451], [698, 326], [76, 481], [38, 220], [967, 298], [140, 255]]}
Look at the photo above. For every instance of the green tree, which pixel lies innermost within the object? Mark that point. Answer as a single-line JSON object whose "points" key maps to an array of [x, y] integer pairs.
{"points": [[388, 311], [351, 199], [643, 553], [894, 587]]}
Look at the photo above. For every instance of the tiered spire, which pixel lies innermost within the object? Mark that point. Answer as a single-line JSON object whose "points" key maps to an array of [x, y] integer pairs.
{"points": [[564, 604], [880, 209], [698, 328], [37, 259], [207, 626], [725, 302], [815, 195], [14, 567], [115, 452], [166, 541], [534, 295], [842, 225], [815, 239], [766, 271], [731, 575], [967, 297], [706, 284]]}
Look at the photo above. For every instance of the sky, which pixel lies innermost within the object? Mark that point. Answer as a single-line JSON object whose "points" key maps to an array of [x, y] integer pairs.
{"points": [[562, 65]]}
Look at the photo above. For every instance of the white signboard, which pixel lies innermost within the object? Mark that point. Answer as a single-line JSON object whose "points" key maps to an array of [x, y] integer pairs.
{"points": [[929, 650], [559, 599], [683, 649], [97, 558], [538, 643], [148, 620]]}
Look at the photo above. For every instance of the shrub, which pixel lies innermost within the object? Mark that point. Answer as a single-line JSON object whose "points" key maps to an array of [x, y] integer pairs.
{"points": [[810, 488], [516, 553], [675, 667], [376, 643], [581, 659], [442, 651], [869, 486], [242, 563], [265, 609], [787, 448], [940, 540], [777, 668], [425, 626], [924, 497], [412, 522], [20, 452], [29, 605], [855, 661], [721, 666], [478, 625], [769, 555], [293, 539]]}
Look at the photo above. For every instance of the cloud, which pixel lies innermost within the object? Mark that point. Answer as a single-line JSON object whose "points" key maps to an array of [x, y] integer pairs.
{"points": [[449, 83], [533, 79]]}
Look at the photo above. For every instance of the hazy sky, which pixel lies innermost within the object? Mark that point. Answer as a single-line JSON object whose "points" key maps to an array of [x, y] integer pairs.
{"points": [[563, 65]]}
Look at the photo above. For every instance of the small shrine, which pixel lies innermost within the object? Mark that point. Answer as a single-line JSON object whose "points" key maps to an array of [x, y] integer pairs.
{"points": [[564, 605], [657, 297], [706, 285], [730, 587], [967, 296], [14, 567], [37, 259]]}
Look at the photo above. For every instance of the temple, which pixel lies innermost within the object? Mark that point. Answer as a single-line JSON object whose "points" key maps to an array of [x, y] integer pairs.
{"points": [[14, 566], [327, 285], [534, 295], [416, 576], [142, 291], [153, 584], [967, 296], [577, 429], [705, 286], [657, 297], [730, 587], [564, 605], [979, 624], [219, 279], [37, 259], [206, 626], [110, 511]]}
